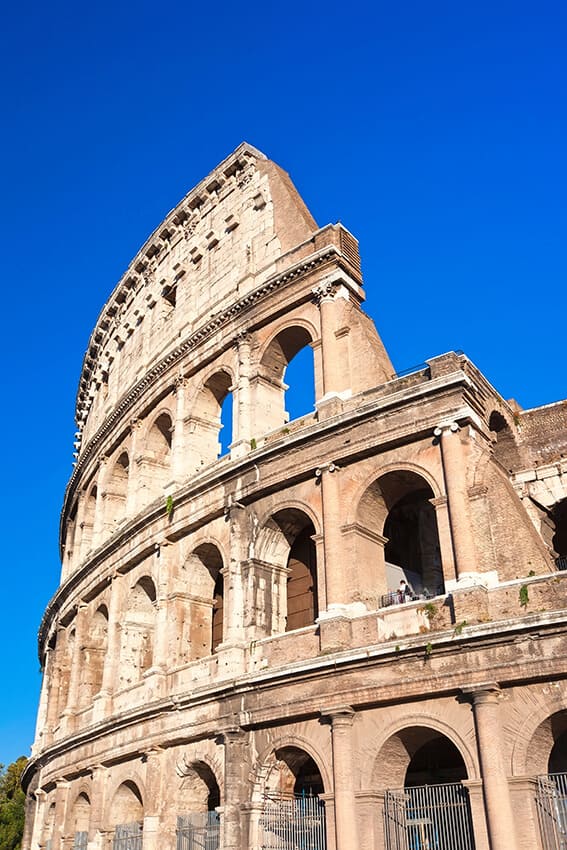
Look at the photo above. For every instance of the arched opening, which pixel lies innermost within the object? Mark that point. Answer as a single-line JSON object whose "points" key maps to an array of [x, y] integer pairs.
{"points": [[157, 454], [280, 384], [49, 826], [87, 525], [397, 506], [93, 655], [136, 652], [559, 540], [198, 822], [293, 810], [126, 817], [80, 820], [212, 420], [425, 804], [302, 606], [505, 448], [203, 614], [116, 493]]}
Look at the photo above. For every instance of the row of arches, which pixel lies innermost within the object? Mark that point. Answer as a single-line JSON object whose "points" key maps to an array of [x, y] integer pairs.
{"points": [[414, 757], [190, 430]]}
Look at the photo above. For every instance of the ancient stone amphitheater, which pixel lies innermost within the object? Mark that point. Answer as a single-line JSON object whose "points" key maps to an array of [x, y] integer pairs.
{"points": [[230, 659]]}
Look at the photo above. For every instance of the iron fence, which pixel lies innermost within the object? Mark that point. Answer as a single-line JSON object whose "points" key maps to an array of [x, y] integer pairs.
{"points": [[198, 831], [551, 802], [127, 836], [80, 841], [293, 823], [428, 817]]}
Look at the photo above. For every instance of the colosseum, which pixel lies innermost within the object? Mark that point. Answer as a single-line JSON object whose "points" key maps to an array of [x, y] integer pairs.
{"points": [[344, 631]]}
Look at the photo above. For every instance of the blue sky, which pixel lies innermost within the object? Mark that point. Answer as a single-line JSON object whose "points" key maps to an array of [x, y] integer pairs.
{"points": [[436, 132]]}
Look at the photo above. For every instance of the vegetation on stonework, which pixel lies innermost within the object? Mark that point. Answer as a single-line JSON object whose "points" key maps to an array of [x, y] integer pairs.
{"points": [[12, 800]]}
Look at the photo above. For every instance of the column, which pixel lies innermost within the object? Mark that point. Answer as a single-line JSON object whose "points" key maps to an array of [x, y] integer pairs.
{"points": [[489, 736], [81, 623], [455, 472], [34, 840], [328, 477], [441, 506], [132, 497], [153, 797], [236, 768], [97, 834], [178, 453], [242, 406], [98, 524], [233, 589], [61, 794], [346, 824], [325, 296], [103, 700], [53, 706], [161, 631]]}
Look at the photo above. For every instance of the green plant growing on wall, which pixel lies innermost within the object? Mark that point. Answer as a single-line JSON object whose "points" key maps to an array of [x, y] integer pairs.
{"points": [[169, 506], [524, 596], [428, 650], [253, 443], [430, 611], [459, 628]]}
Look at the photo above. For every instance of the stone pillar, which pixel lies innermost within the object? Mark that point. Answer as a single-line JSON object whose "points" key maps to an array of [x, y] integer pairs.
{"points": [[235, 787], [103, 700], [54, 697], [346, 823], [161, 632], [133, 500], [34, 840], [97, 832], [233, 589], [242, 405], [178, 448], [81, 625], [98, 524], [500, 820], [153, 798], [61, 794], [329, 478], [455, 472], [445, 541], [326, 296]]}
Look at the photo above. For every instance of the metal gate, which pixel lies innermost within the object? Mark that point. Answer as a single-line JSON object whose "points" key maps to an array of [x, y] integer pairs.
{"points": [[127, 836], [198, 831], [81, 840], [293, 823], [551, 801], [428, 817]]}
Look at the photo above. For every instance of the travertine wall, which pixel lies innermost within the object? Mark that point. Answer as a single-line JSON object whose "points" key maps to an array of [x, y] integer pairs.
{"points": [[224, 633]]}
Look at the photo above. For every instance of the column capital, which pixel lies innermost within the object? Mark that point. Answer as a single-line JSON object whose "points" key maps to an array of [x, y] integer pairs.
{"points": [[232, 735], [325, 291], [326, 467], [135, 424], [340, 715], [179, 383], [484, 693], [446, 428]]}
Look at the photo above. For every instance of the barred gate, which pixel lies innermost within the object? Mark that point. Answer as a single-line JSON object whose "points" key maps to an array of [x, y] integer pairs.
{"points": [[551, 803], [81, 840], [198, 831], [428, 817], [293, 823], [127, 836]]}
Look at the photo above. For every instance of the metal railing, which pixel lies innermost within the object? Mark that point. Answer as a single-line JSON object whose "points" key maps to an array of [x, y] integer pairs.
{"points": [[80, 841], [127, 836], [551, 802], [198, 831], [293, 823], [561, 562], [428, 817]]}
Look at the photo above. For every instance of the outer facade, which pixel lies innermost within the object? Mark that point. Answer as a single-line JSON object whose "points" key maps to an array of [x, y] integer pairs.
{"points": [[223, 642]]}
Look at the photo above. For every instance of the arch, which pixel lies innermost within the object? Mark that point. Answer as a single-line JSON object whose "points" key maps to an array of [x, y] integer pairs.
{"points": [[199, 790], [156, 465], [206, 415], [397, 531], [88, 521], [93, 656], [127, 804], [269, 389], [559, 539], [80, 813], [116, 491], [505, 447], [277, 529], [203, 624], [420, 754], [137, 638], [547, 748]]}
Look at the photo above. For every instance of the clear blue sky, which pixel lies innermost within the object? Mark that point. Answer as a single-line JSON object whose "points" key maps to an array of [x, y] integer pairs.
{"points": [[436, 132]]}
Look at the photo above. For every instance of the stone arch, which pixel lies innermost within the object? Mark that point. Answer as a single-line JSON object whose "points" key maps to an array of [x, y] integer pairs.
{"points": [[116, 490], [93, 655], [203, 616], [206, 415], [505, 446], [89, 519], [266, 765], [137, 634], [49, 823], [155, 468], [126, 804], [286, 540], [78, 819], [268, 386], [424, 752], [544, 726], [212, 760], [396, 533], [199, 789]]}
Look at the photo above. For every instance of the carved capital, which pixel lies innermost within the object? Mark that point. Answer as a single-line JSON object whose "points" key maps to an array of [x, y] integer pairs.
{"points": [[324, 292]]}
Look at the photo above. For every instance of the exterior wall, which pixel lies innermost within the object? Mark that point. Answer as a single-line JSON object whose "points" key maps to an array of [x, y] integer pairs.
{"points": [[144, 714]]}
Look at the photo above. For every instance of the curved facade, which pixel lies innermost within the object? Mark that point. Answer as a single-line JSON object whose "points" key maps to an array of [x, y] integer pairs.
{"points": [[228, 661]]}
